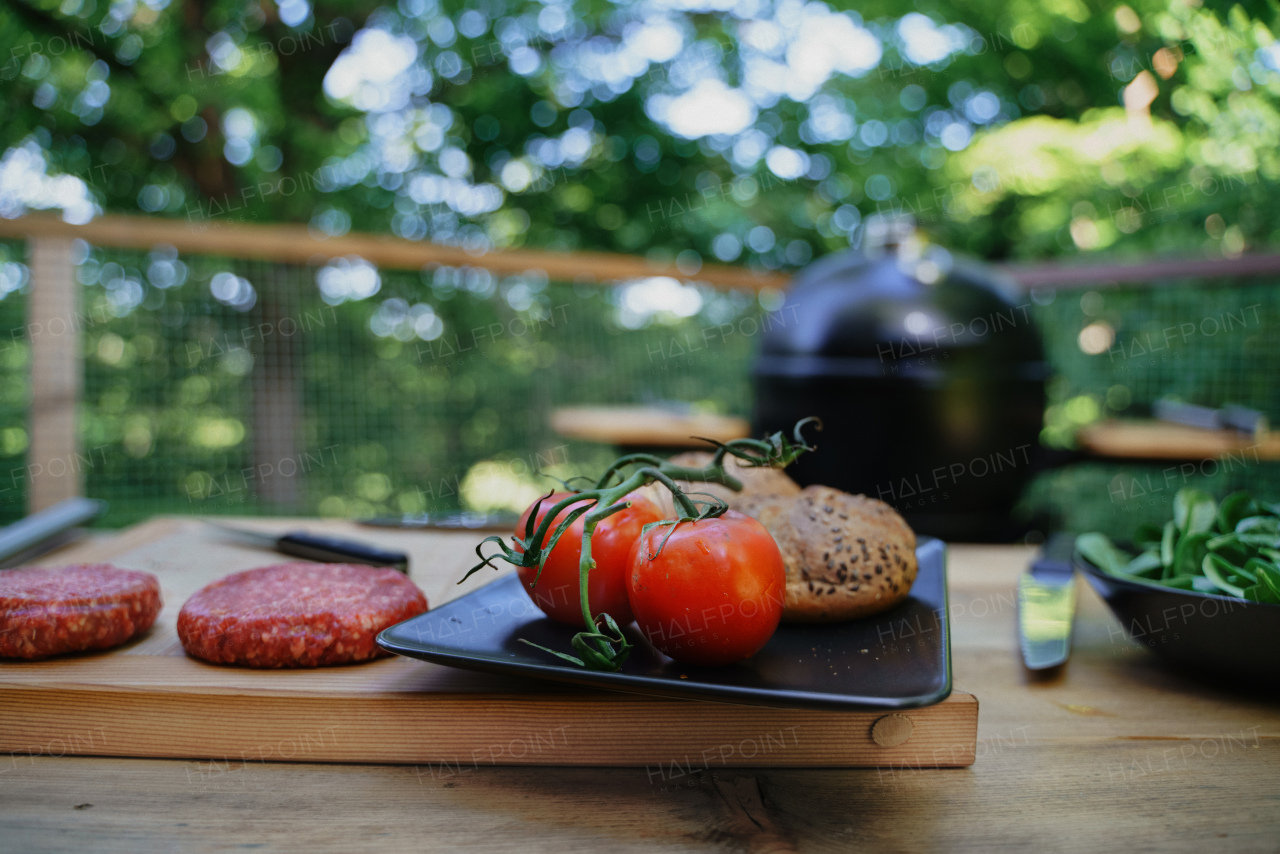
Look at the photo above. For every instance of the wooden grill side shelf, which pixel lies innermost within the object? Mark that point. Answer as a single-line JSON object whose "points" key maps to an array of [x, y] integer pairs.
{"points": [[647, 427], [1160, 440]]}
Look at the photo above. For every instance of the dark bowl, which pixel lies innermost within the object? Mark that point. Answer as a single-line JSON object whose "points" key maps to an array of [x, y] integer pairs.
{"points": [[1214, 636]]}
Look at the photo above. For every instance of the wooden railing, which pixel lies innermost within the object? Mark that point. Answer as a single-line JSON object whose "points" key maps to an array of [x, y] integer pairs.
{"points": [[56, 363], [296, 244]]}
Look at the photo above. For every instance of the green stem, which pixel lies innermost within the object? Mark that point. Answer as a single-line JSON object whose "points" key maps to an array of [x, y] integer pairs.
{"points": [[628, 459], [596, 644], [710, 474], [684, 502], [586, 563], [540, 534]]}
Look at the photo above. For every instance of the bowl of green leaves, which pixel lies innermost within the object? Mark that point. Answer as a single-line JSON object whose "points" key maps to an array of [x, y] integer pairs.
{"points": [[1202, 590]]}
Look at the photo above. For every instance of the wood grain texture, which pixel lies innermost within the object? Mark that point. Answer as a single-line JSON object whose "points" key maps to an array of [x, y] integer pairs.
{"points": [[149, 699], [643, 426], [1160, 440], [1117, 754], [1029, 796]]}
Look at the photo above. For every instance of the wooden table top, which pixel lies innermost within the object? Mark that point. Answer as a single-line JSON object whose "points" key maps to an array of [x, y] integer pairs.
{"points": [[1117, 753]]}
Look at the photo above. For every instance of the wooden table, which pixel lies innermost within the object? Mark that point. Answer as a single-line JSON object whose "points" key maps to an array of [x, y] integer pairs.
{"points": [[1115, 754]]}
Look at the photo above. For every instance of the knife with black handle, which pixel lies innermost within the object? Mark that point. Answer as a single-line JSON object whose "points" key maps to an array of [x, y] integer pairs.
{"points": [[324, 549]]}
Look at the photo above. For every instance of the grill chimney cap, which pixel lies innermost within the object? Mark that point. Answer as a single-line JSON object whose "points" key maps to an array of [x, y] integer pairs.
{"points": [[887, 232]]}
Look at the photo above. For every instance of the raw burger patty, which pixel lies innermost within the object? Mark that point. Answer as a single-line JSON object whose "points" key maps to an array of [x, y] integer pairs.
{"points": [[47, 612], [297, 615]]}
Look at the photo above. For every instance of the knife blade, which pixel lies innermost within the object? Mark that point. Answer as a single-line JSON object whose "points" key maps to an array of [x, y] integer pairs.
{"points": [[447, 521], [321, 548], [33, 535], [1047, 604]]}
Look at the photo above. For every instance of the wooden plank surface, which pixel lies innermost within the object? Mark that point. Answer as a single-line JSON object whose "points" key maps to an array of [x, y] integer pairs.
{"points": [[646, 426], [150, 699], [1161, 440], [1117, 753]]}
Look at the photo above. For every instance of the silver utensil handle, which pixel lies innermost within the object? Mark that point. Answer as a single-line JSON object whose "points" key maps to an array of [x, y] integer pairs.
{"points": [[38, 527]]}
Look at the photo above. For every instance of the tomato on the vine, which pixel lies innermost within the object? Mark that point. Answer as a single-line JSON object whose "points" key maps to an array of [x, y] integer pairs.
{"points": [[712, 592], [557, 590]]}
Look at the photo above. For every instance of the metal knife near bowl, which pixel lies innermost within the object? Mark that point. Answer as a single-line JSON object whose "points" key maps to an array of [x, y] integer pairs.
{"points": [[1047, 605], [1202, 591]]}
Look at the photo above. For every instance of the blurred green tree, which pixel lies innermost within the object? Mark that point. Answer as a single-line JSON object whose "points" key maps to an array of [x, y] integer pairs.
{"points": [[751, 132], [757, 132]]}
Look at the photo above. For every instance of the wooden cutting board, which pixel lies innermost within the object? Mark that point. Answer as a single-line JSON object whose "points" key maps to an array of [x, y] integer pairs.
{"points": [[149, 699]]}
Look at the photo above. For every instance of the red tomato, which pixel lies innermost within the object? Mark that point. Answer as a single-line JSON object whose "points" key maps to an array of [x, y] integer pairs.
{"points": [[557, 590], [713, 594]]}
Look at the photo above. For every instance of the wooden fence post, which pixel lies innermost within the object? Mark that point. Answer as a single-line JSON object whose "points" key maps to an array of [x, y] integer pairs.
{"points": [[277, 392], [54, 470]]}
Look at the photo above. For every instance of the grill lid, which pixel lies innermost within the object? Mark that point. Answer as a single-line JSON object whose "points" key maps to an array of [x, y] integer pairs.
{"points": [[897, 302]]}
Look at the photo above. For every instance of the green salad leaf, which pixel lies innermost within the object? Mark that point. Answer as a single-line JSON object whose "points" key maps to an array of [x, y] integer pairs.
{"points": [[1194, 512], [1230, 548], [1101, 552], [1233, 508]]}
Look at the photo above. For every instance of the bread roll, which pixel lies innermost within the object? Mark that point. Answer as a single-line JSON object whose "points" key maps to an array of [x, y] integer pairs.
{"points": [[847, 556]]}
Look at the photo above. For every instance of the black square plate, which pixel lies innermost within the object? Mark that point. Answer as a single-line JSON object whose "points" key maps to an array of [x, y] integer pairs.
{"points": [[897, 660]]}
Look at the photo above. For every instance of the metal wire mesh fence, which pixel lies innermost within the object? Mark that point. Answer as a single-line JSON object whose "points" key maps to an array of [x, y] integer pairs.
{"points": [[15, 384], [214, 385], [1207, 342]]}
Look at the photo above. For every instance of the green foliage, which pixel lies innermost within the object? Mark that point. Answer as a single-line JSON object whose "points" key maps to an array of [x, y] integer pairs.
{"points": [[179, 387], [1030, 135], [1202, 550], [218, 110]]}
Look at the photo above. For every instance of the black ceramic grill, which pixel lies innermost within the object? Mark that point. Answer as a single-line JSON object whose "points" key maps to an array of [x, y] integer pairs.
{"points": [[928, 373]]}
